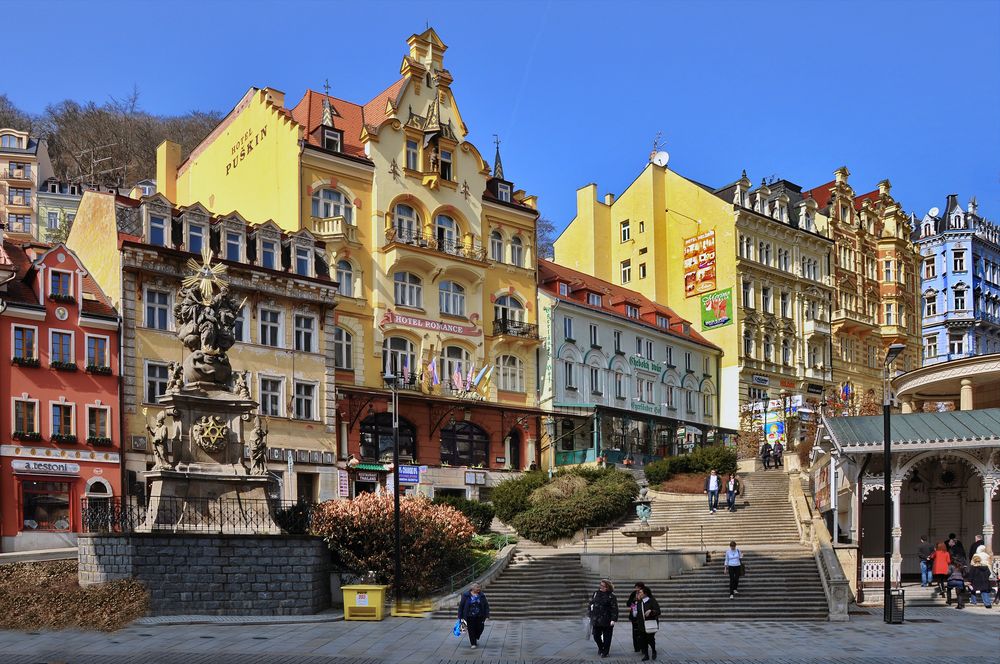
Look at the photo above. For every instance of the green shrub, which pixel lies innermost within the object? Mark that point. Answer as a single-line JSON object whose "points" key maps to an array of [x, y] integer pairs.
{"points": [[513, 496], [480, 514], [702, 460]]}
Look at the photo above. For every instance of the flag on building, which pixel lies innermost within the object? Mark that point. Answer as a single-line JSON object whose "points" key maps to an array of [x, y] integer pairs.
{"points": [[406, 369], [468, 379], [483, 381], [456, 380], [479, 376], [432, 366]]}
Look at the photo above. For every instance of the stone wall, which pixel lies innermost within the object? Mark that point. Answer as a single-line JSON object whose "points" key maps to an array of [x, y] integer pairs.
{"points": [[214, 574]]}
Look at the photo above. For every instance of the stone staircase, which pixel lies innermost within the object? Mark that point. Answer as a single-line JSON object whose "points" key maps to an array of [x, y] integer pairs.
{"points": [[540, 583], [763, 516]]}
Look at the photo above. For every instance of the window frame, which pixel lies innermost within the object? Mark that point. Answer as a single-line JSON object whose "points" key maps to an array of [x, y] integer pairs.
{"points": [[107, 349], [451, 298], [36, 424], [511, 372], [34, 341], [305, 334], [279, 399], [345, 278], [161, 224], [343, 346], [168, 307], [227, 236], [72, 418], [90, 408], [411, 286], [313, 400], [70, 290], [191, 227], [72, 345], [279, 335], [147, 364], [309, 259]]}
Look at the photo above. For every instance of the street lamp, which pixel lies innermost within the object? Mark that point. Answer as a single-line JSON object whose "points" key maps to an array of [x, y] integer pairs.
{"points": [[890, 356], [391, 379]]}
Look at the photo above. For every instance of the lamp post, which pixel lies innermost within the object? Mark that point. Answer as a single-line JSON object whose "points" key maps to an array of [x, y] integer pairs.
{"points": [[890, 356], [397, 575]]}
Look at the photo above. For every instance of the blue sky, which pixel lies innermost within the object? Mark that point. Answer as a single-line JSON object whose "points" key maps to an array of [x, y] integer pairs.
{"points": [[907, 90]]}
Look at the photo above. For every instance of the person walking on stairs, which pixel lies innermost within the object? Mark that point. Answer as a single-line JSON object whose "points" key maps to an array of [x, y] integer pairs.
{"points": [[603, 613], [732, 490], [778, 451], [633, 616], [974, 547], [473, 610], [649, 621], [956, 582], [734, 567], [979, 579], [924, 551], [940, 561], [765, 455], [712, 485]]}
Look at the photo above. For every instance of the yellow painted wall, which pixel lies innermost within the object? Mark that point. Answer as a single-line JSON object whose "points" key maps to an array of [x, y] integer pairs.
{"points": [[94, 238], [249, 164]]}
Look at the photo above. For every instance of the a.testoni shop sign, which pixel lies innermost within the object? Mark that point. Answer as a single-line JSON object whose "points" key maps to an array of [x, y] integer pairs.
{"points": [[45, 467]]}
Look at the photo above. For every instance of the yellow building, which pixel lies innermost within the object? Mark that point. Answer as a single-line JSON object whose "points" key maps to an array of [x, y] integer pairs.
{"points": [[140, 250], [749, 267], [433, 251]]}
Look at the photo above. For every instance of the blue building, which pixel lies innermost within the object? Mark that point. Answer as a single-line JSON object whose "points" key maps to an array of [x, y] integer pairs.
{"points": [[960, 282]]}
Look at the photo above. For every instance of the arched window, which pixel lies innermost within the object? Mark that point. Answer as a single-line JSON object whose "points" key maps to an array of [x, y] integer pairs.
{"points": [[516, 252], [408, 290], [331, 203], [786, 351], [377, 435], [927, 230], [345, 279], [768, 348], [446, 232], [508, 307], [407, 223], [455, 364], [343, 349], [748, 343], [397, 356], [464, 444], [511, 373], [496, 246], [452, 298]]}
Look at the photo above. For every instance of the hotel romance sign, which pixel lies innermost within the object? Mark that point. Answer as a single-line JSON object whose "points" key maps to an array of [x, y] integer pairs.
{"points": [[392, 318]]}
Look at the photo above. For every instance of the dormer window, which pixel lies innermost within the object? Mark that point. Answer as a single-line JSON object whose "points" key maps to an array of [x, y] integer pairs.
{"points": [[195, 238], [662, 321], [303, 261], [503, 192], [564, 290], [446, 165], [158, 231], [594, 299], [331, 140], [10, 141], [234, 246], [60, 284], [631, 311], [269, 254]]}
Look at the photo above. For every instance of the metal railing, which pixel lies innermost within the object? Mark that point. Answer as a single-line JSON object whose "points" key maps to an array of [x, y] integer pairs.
{"points": [[129, 514], [15, 174], [470, 250], [515, 328], [469, 574]]}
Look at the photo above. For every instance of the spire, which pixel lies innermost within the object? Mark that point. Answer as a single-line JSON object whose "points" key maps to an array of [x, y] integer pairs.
{"points": [[497, 164], [327, 107]]}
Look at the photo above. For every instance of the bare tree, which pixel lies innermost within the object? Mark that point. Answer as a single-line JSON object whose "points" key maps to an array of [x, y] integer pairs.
{"points": [[545, 236], [11, 117]]}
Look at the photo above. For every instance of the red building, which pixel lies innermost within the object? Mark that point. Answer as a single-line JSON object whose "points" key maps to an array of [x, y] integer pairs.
{"points": [[59, 410]]}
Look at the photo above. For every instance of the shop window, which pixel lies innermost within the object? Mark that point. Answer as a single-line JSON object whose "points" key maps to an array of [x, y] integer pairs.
{"points": [[305, 486], [377, 437], [45, 506], [464, 444]]}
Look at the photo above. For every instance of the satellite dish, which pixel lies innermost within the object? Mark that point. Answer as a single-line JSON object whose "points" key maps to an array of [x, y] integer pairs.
{"points": [[933, 212], [661, 158]]}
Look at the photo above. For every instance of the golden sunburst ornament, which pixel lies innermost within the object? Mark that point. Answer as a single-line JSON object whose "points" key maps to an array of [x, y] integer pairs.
{"points": [[206, 276]]}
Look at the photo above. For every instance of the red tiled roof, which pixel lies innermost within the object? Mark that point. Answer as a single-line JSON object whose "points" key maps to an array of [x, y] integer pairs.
{"points": [[870, 196], [549, 272], [820, 194], [374, 111], [22, 288], [348, 118]]}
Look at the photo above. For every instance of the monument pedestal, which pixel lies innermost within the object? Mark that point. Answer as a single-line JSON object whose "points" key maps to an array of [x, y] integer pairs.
{"points": [[208, 502]]}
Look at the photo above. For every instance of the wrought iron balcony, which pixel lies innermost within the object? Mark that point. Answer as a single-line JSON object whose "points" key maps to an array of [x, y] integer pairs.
{"points": [[515, 328], [469, 250]]}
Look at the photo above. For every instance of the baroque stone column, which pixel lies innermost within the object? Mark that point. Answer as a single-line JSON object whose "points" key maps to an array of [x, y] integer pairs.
{"points": [[897, 531]]}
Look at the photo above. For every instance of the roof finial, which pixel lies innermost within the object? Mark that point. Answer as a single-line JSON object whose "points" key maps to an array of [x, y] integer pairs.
{"points": [[327, 107], [497, 164]]}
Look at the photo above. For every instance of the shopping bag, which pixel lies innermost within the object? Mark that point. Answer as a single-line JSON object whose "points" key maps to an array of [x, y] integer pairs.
{"points": [[588, 628], [457, 629]]}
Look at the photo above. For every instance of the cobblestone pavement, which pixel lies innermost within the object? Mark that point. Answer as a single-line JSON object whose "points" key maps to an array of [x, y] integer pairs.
{"points": [[930, 636]]}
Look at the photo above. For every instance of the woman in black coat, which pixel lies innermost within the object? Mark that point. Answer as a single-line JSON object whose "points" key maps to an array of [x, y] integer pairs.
{"points": [[649, 621], [603, 613]]}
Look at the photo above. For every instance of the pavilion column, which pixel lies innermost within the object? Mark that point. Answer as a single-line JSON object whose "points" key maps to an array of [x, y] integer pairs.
{"points": [[965, 400], [897, 530], [988, 514], [907, 406]]}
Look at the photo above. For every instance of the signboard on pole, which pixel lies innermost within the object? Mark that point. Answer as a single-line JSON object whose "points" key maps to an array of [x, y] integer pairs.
{"points": [[409, 475]]}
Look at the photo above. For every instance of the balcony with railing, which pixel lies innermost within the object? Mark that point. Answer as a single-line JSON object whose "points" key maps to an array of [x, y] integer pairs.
{"points": [[819, 372], [25, 227], [515, 328], [335, 229], [853, 319], [815, 326], [459, 248], [18, 174], [19, 201]]}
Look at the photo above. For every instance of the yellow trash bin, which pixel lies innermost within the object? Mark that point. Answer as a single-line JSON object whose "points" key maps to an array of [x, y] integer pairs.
{"points": [[364, 602]]}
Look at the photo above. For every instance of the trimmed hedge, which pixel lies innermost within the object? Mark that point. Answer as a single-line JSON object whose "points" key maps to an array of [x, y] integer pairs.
{"points": [[545, 511], [480, 514], [702, 460]]}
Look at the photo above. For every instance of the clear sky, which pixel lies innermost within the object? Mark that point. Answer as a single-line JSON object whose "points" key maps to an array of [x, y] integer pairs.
{"points": [[908, 90]]}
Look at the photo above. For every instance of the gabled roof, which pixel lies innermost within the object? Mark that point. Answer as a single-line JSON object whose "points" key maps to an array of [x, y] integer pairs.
{"points": [[870, 196], [375, 110], [22, 289], [821, 194], [961, 426], [549, 273], [348, 118]]}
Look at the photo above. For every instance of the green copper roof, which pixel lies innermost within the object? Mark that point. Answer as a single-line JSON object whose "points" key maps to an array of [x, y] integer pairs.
{"points": [[953, 427]]}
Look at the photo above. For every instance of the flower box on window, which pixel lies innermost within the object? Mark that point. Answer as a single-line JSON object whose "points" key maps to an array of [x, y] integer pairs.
{"points": [[99, 369], [27, 436], [63, 366], [98, 440], [63, 438], [62, 297], [25, 361]]}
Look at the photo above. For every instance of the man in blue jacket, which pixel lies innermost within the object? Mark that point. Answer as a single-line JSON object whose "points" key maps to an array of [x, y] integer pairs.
{"points": [[473, 610]]}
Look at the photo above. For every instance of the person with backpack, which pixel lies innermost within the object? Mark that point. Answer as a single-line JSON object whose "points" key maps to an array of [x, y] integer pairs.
{"points": [[649, 621], [473, 611], [603, 613], [734, 567], [732, 490]]}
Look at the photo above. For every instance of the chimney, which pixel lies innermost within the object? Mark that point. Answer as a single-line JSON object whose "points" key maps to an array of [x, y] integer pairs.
{"points": [[884, 187], [609, 199], [842, 174], [168, 160]]}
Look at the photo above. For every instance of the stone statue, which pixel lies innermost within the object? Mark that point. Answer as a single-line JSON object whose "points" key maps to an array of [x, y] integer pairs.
{"points": [[642, 507], [159, 435], [205, 324], [175, 377], [240, 387], [258, 448]]}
